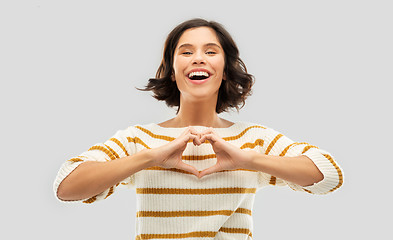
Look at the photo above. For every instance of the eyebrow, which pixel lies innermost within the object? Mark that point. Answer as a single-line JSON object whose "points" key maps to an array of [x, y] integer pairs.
{"points": [[206, 45]]}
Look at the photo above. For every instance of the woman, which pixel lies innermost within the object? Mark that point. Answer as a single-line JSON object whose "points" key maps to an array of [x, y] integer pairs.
{"points": [[196, 174]]}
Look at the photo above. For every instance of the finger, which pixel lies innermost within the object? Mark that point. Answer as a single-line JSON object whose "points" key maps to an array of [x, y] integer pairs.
{"points": [[210, 137], [192, 129], [210, 170], [195, 139], [188, 168], [187, 131], [197, 135], [212, 133], [207, 131], [187, 135]]}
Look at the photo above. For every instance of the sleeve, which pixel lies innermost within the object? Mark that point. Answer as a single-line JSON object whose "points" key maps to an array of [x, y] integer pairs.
{"points": [[122, 144], [279, 145]]}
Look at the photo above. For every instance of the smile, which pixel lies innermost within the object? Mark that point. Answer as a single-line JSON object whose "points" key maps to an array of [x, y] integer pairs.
{"points": [[198, 76]]}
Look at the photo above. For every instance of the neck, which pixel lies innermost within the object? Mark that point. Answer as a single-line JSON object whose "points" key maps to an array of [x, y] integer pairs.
{"points": [[198, 113]]}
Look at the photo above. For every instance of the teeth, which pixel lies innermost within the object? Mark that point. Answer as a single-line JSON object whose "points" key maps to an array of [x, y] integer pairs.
{"points": [[198, 74]]}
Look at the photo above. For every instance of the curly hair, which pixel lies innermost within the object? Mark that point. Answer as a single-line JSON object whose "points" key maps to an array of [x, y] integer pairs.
{"points": [[232, 93]]}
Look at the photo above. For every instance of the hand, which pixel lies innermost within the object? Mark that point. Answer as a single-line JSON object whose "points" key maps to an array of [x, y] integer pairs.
{"points": [[170, 154], [229, 157]]}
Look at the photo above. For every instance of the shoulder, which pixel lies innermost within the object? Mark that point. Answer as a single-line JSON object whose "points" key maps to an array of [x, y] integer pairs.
{"points": [[134, 130], [143, 128]]}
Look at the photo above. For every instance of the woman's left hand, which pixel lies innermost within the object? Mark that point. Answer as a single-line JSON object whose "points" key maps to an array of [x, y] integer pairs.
{"points": [[229, 157]]}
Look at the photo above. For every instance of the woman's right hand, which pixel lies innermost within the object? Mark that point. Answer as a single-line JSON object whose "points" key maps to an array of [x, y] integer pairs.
{"points": [[170, 154]]}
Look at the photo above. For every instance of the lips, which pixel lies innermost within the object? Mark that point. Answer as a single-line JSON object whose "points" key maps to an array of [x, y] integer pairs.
{"points": [[198, 76]]}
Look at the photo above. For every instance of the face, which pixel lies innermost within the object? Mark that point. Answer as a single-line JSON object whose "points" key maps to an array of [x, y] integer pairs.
{"points": [[198, 64]]}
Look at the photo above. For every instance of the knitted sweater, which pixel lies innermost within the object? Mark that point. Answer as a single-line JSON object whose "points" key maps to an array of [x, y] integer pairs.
{"points": [[173, 204]]}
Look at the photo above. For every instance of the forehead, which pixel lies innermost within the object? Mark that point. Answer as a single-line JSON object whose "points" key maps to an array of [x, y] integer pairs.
{"points": [[198, 36]]}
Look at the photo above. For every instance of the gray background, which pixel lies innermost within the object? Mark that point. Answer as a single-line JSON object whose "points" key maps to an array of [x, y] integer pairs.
{"points": [[68, 74]]}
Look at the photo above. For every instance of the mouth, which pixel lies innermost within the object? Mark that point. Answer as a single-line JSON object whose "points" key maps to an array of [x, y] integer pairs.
{"points": [[198, 77]]}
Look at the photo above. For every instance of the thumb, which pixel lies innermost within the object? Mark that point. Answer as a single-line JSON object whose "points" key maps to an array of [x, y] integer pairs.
{"points": [[210, 170]]}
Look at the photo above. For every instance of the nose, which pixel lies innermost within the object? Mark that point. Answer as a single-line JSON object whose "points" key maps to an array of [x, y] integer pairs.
{"points": [[198, 58]]}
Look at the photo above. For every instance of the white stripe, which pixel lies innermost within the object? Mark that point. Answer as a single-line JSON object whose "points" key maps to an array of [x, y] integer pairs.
{"points": [[150, 225], [171, 179], [166, 202]]}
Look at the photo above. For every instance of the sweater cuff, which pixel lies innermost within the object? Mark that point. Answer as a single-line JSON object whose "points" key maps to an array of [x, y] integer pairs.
{"points": [[330, 171], [64, 171]]}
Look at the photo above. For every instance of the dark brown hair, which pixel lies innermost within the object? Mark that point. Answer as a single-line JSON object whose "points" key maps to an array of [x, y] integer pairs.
{"points": [[233, 91]]}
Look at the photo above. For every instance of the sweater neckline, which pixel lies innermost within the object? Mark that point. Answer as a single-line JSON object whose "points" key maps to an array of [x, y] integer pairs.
{"points": [[235, 124]]}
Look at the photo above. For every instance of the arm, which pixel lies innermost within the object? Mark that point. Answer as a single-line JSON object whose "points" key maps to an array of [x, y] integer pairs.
{"points": [[92, 178], [95, 173], [299, 170], [86, 172], [278, 161], [288, 153]]}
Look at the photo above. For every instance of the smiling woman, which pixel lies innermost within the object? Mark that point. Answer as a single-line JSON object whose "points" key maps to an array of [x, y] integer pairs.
{"points": [[209, 43], [196, 175], [198, 53]]}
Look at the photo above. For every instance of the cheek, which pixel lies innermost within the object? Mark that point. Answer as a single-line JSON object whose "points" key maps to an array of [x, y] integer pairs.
{"points": [[179, 64], [220, 66], [177, 71]]}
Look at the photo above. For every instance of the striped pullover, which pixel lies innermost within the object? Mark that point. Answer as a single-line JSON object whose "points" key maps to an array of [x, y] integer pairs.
{"points": [[173, 204]]}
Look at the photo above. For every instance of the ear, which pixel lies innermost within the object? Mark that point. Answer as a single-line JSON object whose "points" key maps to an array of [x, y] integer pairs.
{"points": [[224, 76], [173, 76]]}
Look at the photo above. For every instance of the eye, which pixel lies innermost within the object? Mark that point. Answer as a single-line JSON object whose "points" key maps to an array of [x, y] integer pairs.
{"points": [[210, 52], [187, 53]]}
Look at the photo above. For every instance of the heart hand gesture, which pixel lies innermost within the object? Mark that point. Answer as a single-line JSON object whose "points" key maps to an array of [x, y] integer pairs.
{"points": [[170, 154], [229, 157]]}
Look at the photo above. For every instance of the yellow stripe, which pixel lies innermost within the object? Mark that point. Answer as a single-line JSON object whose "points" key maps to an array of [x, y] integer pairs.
{"points": [[120, 145], [289, 146], [194, 191], [111, 190], [258, 142], [242, 133], [273, 180], [90, 200], [106, 151], [308, 147], [236, 230], [199, 234], [269, 148], [196, 157], [138, 140], [307, 190], [75, 160], [163, 137], [114, 153], [340, 174], [130, 139], [244, 211], [190, 213], [167, 169]]}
